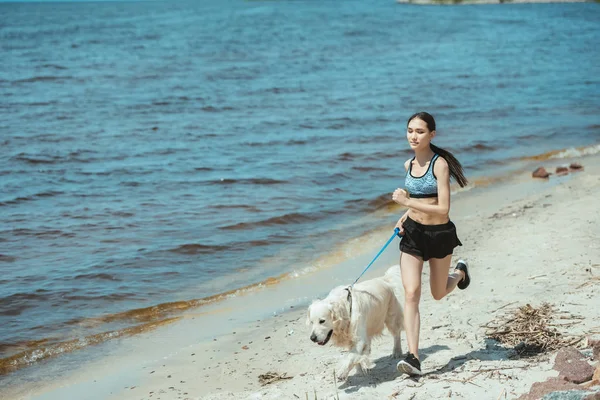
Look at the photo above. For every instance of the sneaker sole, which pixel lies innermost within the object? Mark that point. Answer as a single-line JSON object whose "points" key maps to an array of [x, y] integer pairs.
{"points": [[406, 368], [464, 284]]}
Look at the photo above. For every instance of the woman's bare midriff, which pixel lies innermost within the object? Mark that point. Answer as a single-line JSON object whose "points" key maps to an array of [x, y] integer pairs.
{"points": [[427, 219]]}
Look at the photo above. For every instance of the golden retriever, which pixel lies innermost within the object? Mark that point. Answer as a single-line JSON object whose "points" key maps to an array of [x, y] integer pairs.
{"points": [[352, 317]]}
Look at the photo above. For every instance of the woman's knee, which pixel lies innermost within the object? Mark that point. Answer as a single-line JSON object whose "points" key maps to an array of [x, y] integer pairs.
{"points": [[438, 294], [412, 295]]}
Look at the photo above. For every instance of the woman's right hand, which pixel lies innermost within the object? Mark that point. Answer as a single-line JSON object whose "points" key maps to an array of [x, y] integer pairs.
{"points": [[400, 222]]}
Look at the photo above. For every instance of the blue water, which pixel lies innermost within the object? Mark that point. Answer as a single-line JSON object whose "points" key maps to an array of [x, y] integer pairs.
{"points": [[158, 152]]}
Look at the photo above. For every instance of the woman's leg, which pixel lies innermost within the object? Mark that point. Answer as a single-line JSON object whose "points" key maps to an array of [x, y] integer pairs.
{"points": [[440, 281], [411, 268]]}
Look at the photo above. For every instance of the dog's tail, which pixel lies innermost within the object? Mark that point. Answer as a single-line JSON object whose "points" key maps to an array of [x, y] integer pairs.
{"points": [[394, 278], [392, 275]]}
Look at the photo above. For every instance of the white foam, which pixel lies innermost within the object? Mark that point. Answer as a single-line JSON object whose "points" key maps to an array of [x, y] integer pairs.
{"points": [[574, 152]]}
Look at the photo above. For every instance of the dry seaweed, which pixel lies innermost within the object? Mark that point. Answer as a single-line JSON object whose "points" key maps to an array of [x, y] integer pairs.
{"points": [[270, 377], [529, 330]]}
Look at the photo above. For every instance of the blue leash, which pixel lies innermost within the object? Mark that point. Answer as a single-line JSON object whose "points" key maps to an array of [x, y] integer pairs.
{"points": [[396, 233]]}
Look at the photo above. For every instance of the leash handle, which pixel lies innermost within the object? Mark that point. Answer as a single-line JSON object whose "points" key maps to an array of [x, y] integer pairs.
{"points": [[396, 233]]}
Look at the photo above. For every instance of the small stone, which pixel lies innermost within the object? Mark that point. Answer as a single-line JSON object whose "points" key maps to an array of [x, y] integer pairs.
{"points": [[539, 389], [540, 173], [562, 170], [572, 366], [576, 166]]}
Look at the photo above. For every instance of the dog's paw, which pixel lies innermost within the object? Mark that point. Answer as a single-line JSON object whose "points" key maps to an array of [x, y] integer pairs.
{"points": [[396, 354], [341, 376]]}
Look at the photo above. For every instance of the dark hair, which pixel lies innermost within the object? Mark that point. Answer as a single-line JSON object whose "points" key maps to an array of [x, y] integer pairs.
{"points": [[456, 169]]}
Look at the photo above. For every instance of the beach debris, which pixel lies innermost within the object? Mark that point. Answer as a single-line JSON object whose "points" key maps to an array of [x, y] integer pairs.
{"points": [[270, 377], [572, 366], [529, 330], [592, 280], [576, 166], [540, 172]]}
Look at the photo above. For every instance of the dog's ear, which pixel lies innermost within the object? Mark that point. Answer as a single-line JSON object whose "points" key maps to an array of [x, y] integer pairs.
{"points": [[333, 312], [308, 315]]}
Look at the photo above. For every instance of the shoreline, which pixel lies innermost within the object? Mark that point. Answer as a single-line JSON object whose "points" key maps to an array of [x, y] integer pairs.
{"points": [[229, 355], [343, 252]]}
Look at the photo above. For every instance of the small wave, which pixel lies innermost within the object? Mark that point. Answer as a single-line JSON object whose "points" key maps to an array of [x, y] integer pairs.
{"points": [[369, 169], [273, 143], [331, 179], [250, 181], [347, 156], [370, 205], [43, 79], [358, 32], [54, 66], [399, 155], [231, 206], [36, 159], [41, 350], [212, 109], [7, 258], [479, 147], [194, 248], [565, 153], [577, 152], [16, 303], [278, 90], [287, 219], [94, 277], [381, 201], [80, 156], [92, 298], [51, 233], [36, 196]]}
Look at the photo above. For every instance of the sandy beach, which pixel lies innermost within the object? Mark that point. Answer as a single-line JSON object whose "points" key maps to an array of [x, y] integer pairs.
{"points": [[528, 241]]}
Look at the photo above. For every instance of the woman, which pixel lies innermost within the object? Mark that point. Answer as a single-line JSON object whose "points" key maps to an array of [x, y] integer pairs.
{"points": [[428, 234]]}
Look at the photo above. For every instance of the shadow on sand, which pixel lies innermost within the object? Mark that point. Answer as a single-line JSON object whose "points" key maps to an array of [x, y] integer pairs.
{"points": [[385, 367]]}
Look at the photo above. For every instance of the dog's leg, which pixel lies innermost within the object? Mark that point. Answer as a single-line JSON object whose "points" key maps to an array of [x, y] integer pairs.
{"points": [[397, 353], [394, 322], [358, 355]]}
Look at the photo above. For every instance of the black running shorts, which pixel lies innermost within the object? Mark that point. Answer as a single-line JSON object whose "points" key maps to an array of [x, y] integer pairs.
{"points": [[429, 241]]}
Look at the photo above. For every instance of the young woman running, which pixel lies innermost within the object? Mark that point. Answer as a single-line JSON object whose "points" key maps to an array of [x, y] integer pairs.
{"points": [[428, 234]]}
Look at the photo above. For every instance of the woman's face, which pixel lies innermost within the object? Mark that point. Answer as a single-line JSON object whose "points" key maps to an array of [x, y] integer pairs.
{"points": [[418, 135]]}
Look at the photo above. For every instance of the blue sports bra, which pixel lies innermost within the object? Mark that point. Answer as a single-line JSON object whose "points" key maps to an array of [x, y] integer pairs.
{"points": [[423, 186]]}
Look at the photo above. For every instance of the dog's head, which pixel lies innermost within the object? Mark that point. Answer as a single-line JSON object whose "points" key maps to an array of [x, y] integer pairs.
{"points": [[321, 319]]}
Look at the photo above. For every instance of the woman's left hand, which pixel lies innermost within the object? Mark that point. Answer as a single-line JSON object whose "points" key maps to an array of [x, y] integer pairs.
{"points": [[400, 196]]}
